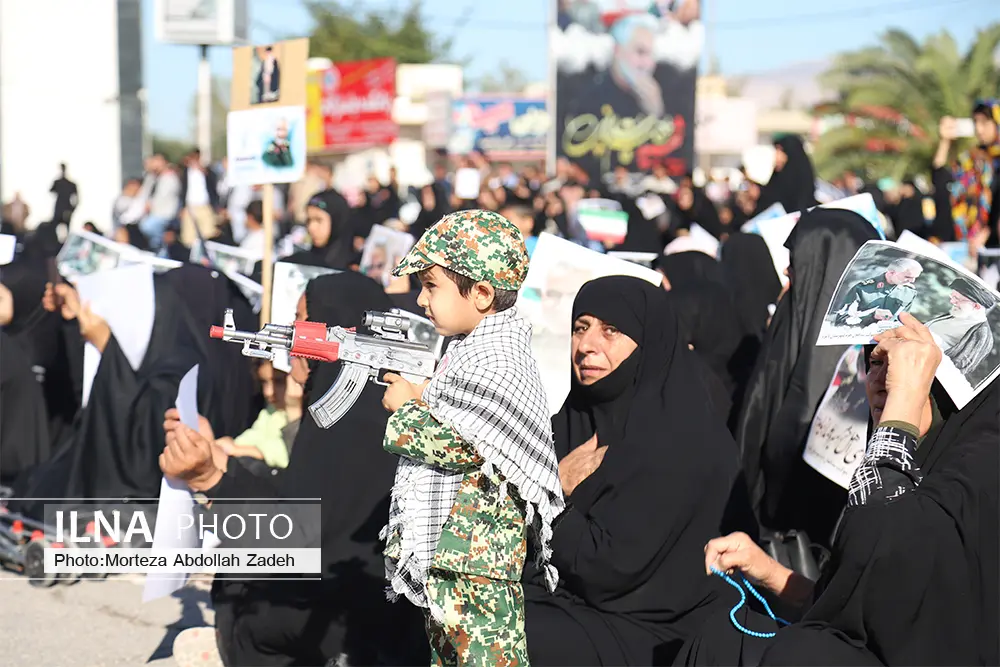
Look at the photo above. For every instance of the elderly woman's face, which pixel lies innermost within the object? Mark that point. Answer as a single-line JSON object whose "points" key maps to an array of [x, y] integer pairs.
{"points": [[598, 348]]}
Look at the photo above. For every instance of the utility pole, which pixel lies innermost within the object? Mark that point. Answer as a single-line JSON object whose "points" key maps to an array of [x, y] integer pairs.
{"points": [[205, 106]]}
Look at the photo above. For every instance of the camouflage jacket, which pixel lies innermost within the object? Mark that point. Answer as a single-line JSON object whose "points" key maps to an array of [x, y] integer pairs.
{"points": [[485, 533]]}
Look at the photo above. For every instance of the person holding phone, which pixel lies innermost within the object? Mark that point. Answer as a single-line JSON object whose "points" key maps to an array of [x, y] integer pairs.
{"points": [[965, 190]]}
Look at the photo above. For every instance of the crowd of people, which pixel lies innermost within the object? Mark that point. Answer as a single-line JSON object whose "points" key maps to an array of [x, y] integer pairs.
{"points": [[678, 450]]}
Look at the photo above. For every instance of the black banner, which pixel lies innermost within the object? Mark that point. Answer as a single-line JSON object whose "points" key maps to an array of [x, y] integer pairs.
{"points": [[625, 84]]}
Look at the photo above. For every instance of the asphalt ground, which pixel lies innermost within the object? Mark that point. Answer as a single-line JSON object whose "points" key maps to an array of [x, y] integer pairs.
{"points": [[95, 623]]}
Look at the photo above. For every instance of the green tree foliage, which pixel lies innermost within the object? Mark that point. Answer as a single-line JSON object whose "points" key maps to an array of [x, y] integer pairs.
{"points": [[507, 79], [344, 33], [916, 84], [173, 150]]}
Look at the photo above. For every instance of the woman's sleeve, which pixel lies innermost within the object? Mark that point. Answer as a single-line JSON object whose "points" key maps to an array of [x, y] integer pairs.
{"points": [[240, 482], [617, 524], [888, 469], [73, 343], [916, 575]]}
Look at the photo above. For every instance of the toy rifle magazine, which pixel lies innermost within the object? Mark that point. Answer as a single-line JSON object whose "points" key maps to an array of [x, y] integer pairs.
{"points": [[364, 357]]}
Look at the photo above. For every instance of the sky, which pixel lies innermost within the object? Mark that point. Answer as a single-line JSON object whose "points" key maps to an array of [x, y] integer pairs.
{"points": [[745, 36]]}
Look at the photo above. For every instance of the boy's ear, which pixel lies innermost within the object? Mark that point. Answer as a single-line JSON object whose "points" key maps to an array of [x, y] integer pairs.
{"points": [[483, 295]]}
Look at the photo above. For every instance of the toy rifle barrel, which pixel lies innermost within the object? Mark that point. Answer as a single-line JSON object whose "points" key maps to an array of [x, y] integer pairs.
{"points": [[275, 335]]}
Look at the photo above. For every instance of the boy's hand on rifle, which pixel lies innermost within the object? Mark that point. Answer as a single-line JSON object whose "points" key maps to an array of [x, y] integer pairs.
{"points": [[400, 391]]}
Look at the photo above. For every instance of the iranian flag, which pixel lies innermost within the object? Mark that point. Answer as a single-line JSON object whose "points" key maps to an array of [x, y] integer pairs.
{"points": [[604, 225]]}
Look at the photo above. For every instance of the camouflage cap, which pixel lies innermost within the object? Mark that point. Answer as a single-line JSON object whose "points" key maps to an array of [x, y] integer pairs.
{"points": [[481, 245]]}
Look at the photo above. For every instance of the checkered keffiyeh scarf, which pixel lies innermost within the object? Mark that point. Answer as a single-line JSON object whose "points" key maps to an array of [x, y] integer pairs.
{"points": [[488, 389]]}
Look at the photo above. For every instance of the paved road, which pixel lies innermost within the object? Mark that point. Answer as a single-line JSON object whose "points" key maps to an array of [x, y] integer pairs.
{"points": [[94, 623]]}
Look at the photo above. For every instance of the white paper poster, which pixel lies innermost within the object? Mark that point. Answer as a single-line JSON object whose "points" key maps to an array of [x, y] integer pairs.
{"points": [[289, 284], [558, 270], [884, 280], [175, 503], [7, 245], [467, 183], [838, 435], [229, 259], [266, 145], [125, 299], [384, 249]]}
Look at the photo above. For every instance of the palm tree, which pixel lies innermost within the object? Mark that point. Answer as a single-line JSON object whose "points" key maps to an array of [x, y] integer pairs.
{"points": [[891, 97]]}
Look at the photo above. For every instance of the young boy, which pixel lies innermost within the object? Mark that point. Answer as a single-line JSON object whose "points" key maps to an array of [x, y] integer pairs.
{"points": [[477, 463]]}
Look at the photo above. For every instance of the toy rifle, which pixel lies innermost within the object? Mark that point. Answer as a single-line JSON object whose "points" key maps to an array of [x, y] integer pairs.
{"points": [[363, 356]]}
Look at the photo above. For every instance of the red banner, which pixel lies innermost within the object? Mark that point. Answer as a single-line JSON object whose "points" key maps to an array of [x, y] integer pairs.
{"points": [[356, 104]]}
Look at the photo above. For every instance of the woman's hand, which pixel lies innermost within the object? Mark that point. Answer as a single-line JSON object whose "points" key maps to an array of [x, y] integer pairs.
{"points": [[737, 551], [61, 297], [227, 447], [222, 449], [913, 358], [94, 328], [978, 241], [220, 452], [6, 306], [189, 456], [947, 131], [580, 464], [246, 451]]}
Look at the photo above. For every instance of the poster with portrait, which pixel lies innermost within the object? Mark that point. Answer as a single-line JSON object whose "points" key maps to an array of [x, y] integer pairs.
{"points": [[269, 75], [265, 73], [839, 431], [625, 73], [266, 132], [227, 258], [289, 285], [159, 264], [266, 145], [558, 270], [84, 253], [384, 249], [884, 280]]}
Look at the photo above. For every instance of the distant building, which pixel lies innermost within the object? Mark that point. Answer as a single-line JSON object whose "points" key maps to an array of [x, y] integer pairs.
{"points": [[72, 92]]}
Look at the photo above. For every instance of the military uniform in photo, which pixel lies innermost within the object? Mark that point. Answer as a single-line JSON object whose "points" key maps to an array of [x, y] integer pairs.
{"points": [[871, 295]]}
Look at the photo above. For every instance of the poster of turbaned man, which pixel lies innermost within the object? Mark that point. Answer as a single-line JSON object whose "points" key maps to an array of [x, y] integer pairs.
{"points": [[884, 280], [625, 75]]}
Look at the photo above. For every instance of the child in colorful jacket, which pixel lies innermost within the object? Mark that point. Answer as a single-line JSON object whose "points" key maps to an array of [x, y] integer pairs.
{"points": [[477, 464]]}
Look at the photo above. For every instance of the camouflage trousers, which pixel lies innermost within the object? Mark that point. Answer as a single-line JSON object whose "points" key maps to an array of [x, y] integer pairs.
{"points": [[483, 621]]}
